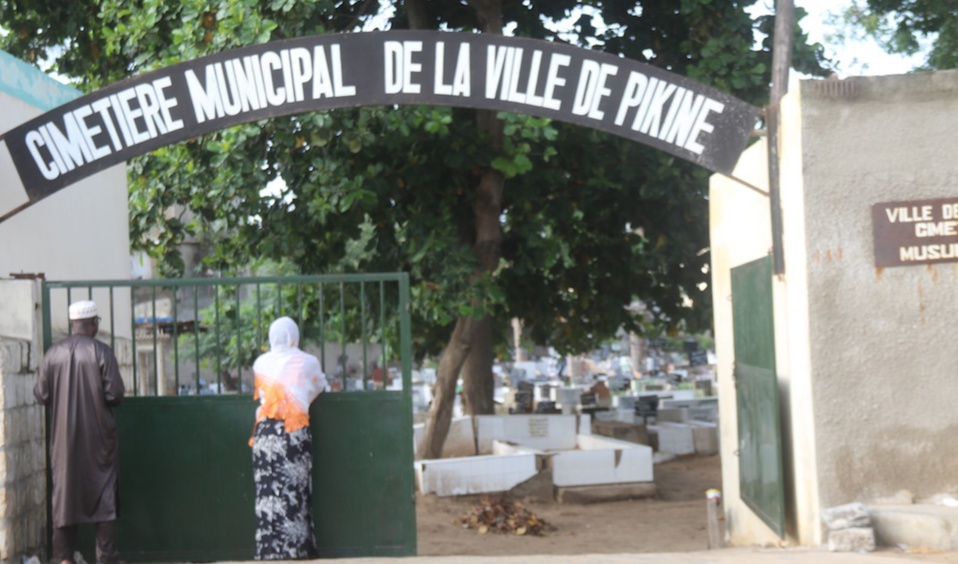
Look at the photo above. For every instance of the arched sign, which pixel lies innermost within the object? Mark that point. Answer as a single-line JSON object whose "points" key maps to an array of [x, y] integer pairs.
{"points": [[552, 80]]}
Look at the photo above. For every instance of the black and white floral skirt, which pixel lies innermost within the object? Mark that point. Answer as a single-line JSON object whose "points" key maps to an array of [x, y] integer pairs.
{"points": [[282, 473]]}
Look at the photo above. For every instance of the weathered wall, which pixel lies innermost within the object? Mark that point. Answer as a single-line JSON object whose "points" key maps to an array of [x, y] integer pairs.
{"points": [[80, 233], [864, 355], [882, 350], [23, 518], [740, 224]]}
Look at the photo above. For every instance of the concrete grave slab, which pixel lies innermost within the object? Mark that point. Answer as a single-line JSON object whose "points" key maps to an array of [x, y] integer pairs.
{"points": [[474, 474], [461, 440], [676, 438], [601, 460], [546, 432]]}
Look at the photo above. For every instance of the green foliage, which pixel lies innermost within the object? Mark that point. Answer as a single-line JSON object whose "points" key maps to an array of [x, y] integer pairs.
{"points": [[236, 323], [590, 222], [905, 27]]}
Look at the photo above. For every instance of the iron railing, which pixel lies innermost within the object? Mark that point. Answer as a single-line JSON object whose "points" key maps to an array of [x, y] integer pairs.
{"points": [[217, 326]]}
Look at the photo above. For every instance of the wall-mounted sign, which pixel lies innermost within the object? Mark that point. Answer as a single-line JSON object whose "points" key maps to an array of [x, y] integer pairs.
{"points": [[553, 80], [915, 232]]}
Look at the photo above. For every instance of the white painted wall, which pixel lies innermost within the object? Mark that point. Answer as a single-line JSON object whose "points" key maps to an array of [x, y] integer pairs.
{"points": [[740, 233], [545, 432], [601, 460], [79, 233], [881, 341], [461, 440], [475, 474], [865, 356]]}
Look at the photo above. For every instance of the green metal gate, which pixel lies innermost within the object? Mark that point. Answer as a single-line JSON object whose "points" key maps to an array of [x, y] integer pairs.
{"points": [[756, 383], [185, 465]]}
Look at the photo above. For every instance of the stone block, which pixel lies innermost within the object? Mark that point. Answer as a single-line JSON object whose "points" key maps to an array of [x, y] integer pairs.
{"points": [[604, 493], [7, 542], [460, 441], [918, 526], [676, 438], [704, 413], [17, 308], [24, 390], [10, 357], [622, 431], [853, 539], [475, 474], [9, 390], [672, 415], [25, 365], [21, 537], [624, 403], [601, 460], [546, 432], [705, 438], [39, 488], [14, 426], [36, 423], [16, 464], [846, 516], [29, 382]]}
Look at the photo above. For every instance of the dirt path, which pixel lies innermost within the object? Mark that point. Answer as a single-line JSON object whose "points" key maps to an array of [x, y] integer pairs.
{"points": [[674, 522]]}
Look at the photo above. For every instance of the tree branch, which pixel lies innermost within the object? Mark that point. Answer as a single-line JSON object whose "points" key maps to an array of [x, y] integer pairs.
{"points": [[416, 12]]}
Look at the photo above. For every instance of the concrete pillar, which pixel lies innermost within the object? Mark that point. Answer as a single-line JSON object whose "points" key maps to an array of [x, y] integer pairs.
{"points": [[23, 519]]}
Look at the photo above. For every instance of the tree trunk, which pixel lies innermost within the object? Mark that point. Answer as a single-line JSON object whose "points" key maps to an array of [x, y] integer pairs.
{"points": [[416, 12], [478, 384], [487, 208], [444, 391], [477, 379], [637, 353]]}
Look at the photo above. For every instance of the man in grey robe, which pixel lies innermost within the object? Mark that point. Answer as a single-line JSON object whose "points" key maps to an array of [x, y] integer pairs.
{"points": [[80, 382]]}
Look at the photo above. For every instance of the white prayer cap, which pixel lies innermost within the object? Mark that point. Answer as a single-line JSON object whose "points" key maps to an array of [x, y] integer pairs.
{"points": [[82, 310]]}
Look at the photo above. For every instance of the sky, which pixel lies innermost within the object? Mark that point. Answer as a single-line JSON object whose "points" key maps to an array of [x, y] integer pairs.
{"points": [[859, 58]]}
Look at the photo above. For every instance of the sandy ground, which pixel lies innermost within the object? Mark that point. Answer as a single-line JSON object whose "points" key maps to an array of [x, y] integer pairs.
{"points": [[675, 522]]}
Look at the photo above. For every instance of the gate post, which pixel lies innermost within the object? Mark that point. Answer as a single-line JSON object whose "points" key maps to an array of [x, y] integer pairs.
{"points": [[23, 519]]}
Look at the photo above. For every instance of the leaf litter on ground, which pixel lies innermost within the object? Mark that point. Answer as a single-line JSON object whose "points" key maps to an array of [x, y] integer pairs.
{"points": [[504, 516]]}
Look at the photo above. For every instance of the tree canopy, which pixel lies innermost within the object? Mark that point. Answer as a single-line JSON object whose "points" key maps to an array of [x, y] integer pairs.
{"points": [[493, 216], [907, 27], [589, 221]]}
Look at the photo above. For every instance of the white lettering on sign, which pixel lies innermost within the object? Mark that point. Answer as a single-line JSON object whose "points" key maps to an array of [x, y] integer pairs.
{"points": [[504, 70], [556, 63], [936, 229], [909, 214], [400, 66], [687, 115], [328, 77], [57, 150], [612, 94], [928, 252], [592, 89], [461, 81], [924, 231], [257, 82]]}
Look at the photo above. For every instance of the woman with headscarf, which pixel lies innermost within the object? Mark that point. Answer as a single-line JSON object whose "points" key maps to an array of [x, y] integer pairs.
{"points": [[287, 381]]}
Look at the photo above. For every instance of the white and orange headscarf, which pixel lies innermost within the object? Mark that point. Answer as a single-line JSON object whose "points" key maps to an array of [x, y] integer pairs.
{"points": [[287, 379]]}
